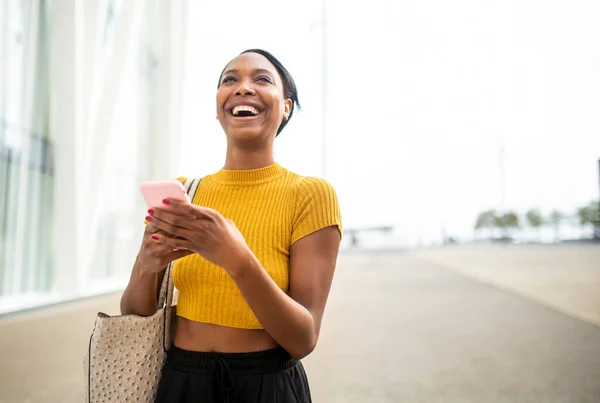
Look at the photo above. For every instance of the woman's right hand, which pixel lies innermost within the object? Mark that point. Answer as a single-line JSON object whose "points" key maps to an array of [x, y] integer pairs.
{"points": [[141, 294], [154, 257]]}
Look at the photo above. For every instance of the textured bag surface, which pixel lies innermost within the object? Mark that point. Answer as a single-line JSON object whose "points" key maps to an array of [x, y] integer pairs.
{"points": [[126, 353]]}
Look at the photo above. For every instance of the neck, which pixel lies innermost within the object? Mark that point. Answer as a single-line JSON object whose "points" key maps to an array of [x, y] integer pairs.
{"points": [[242, 159]]}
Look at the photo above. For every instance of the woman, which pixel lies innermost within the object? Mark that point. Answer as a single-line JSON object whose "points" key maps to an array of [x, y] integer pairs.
{"points": [[258, 248]]}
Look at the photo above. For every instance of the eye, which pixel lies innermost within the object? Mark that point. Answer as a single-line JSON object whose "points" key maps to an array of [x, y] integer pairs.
{"points": [[264, 79], [228, 79]]}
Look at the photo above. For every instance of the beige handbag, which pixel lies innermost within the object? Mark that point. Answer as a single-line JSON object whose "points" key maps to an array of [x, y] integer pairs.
{"points": [[127, 352]]}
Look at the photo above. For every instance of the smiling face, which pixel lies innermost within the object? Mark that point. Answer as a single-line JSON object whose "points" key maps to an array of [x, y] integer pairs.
{"points": [[250, 100]]}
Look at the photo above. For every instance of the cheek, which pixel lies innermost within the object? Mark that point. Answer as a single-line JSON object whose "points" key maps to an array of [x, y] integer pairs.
{"points": [[221, 98], [277, 102]]}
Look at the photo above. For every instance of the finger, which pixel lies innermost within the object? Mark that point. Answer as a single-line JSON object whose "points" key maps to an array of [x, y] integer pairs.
{"points": [[177, 218], [176, 207], [173, 243], [150, 242], [158, 247], [151, 228], [177, 227], [193, 210]]}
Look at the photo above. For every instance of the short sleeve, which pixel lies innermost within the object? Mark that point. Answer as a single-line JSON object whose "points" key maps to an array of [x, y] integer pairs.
{"points": [[317, 207]]}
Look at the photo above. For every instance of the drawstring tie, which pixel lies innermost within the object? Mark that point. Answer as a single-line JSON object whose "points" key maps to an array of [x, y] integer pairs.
{"points": [[220, 376]]}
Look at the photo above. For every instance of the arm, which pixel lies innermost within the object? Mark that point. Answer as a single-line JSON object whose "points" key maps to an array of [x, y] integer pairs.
{"points": [[140, 296], [294, 321]]}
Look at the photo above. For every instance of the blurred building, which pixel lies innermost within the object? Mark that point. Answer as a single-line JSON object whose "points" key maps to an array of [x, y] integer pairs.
{"points": [[85, 90]]}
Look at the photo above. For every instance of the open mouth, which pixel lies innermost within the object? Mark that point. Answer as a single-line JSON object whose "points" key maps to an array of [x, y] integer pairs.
{"points": [[244, 111]]}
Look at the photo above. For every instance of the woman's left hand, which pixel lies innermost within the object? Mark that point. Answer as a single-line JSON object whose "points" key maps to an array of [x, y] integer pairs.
{"points": [[204, 231]]}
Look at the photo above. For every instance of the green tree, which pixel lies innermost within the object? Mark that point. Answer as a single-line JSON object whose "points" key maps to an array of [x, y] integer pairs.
{"points": [[507, 222], [486, 219], [535, 220], [556, 218], [588, 215]]}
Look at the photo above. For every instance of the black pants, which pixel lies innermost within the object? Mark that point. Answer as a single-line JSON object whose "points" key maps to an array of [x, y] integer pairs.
{"points": [[266, 376]]}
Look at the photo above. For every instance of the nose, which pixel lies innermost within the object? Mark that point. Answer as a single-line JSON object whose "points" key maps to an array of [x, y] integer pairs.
{"points": [[244, 88]]}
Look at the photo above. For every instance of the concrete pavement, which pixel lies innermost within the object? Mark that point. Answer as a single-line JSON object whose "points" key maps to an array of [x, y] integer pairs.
{"points": [[565, 277], [401, 330], [397, 328]]}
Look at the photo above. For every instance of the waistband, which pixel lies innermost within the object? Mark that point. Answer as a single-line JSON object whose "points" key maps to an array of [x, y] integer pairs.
{"points": [[259, 362]]}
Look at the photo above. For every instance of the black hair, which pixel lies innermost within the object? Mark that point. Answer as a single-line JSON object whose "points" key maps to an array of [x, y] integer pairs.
{"points": [[289, 86]]}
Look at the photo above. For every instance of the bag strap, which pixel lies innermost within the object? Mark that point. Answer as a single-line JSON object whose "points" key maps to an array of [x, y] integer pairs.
{"points": [[167, 283], [167, 286]]}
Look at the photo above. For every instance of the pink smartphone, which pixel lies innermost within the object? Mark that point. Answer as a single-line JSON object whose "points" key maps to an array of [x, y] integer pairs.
{"points": [[156, 191]]}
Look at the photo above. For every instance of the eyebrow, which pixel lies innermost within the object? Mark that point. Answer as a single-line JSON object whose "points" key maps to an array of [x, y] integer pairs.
{"points": [[255, 71]]}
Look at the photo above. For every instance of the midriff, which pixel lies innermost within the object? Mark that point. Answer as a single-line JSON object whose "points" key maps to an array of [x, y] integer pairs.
{"points": [[207, 337]]}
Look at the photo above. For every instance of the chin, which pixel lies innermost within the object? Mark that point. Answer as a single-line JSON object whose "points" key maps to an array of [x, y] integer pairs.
{"points": [[246, 134]]}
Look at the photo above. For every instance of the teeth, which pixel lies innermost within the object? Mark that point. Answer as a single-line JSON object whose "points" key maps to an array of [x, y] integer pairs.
{"points": [[248, 108]]}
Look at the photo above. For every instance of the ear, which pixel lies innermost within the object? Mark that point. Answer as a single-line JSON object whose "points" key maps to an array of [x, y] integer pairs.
{"points": [[287, 108]]}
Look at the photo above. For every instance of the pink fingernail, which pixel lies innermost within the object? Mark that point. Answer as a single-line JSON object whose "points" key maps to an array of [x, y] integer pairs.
{"points": [[166, 201], [155, 237], [149, 219], [151, 212]]}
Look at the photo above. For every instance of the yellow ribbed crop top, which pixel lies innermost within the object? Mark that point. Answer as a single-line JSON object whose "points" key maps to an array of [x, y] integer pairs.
{"points": [[273, 208]]}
